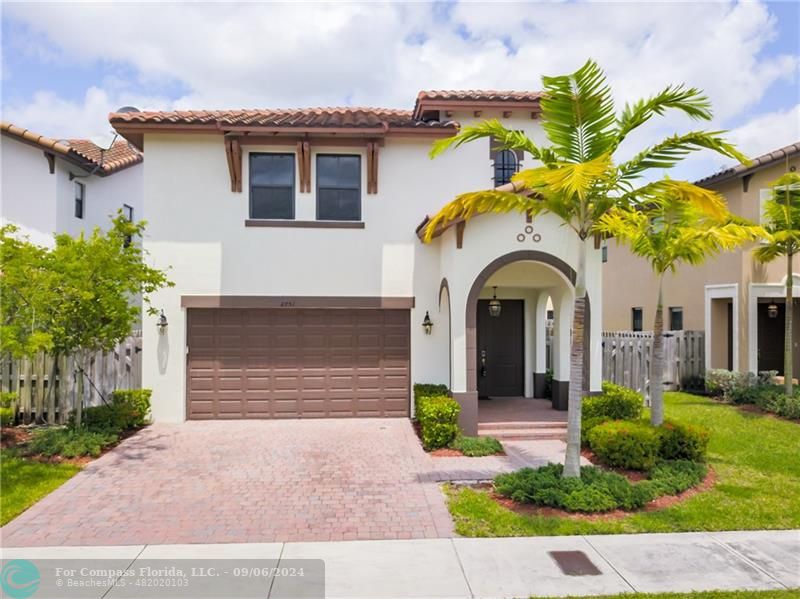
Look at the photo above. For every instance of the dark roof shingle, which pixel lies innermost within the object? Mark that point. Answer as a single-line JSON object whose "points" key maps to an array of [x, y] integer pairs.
{"points": [[755, 164]]}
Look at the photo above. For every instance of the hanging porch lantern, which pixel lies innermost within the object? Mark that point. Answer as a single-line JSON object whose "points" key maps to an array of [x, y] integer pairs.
{"points": [[772, 310], [427, 323], [494, 304]]}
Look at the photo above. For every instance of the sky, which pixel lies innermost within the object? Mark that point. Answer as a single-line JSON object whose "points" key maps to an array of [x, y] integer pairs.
{"points": [[65, 66]]}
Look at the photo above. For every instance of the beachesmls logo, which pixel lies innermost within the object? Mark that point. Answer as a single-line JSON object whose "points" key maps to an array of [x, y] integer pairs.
{"points": [[20, 579]]}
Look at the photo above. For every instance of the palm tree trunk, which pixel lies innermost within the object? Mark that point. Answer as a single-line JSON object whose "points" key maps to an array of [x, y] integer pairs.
{"points": [[572, 462], [788, 337], [657, 367]]}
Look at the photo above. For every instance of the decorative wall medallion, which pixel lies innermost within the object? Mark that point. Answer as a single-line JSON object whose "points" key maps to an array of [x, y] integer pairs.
{"points": [[535, 237]]}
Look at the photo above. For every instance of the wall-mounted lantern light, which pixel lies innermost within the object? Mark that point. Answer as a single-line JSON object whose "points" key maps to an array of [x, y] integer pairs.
{"points": [[772, 310], [494, 304], [427, 323], [162, 323]]}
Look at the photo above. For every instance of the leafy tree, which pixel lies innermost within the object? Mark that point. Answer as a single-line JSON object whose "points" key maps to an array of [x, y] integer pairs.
{"points": [[782, 212], [24, 290], [668, 232], [579, 180], [78, 297]]}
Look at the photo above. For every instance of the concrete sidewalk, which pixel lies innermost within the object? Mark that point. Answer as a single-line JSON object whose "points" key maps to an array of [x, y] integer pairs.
{"points": [[502, 567]]}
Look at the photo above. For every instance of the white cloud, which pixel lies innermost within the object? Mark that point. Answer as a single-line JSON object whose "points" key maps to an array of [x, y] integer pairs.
{"points": [[767, 132], [278, 55]]}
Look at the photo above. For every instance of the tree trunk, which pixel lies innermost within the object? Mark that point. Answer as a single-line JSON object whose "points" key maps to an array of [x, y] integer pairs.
{"points": [[657, 367], [788, 337], [81, 389], [51, 392], [572, 462]]}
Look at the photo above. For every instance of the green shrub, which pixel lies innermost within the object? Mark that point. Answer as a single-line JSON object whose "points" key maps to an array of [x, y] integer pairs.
{"points": [[614, 403], [476, 446], [587, 424], [438, 420], [128, 409], [7, 398], [596, 490], [548, 383], [625, 444], [68, 443], [428, 390], [784, 406], [6, 416], [683, 442], [134, 405]]}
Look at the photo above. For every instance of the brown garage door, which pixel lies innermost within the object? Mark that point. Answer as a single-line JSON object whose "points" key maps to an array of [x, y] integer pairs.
{"points": [[291, 363]]}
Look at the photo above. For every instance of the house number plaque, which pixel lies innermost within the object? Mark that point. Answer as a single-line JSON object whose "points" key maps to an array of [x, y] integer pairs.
{"points": [[535, 237]]}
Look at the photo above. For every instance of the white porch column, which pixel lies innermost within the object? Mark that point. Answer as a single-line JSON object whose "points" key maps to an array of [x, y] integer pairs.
{"points": [[540, 344], [531, 325], [562, 308], [461, 344]]}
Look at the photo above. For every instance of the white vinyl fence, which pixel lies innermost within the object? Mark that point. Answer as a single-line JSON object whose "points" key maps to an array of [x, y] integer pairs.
{"points": [[628, 356], [48, 389]]}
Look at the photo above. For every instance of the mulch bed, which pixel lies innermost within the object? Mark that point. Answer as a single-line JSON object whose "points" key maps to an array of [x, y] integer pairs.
{"points": [[13, 437], [444, 452], [657, 504], [448, 452]]}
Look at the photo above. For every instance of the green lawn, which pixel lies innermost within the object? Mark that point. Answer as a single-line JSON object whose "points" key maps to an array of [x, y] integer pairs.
{"points": [[24, 482], [706, 595], [758, 483]]}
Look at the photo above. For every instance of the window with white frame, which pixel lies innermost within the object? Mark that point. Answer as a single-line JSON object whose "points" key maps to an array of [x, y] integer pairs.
{"points": [[80, 199]]}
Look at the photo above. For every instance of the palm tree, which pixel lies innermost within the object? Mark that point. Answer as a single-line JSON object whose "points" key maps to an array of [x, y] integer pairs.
{"points": [[782, 213], [668, 232], [579, 180]]}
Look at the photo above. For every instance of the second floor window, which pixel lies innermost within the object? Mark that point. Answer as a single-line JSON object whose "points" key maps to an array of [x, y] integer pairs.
{"points": [[636, 319], [505, 166], [80, 199], [272, 186], [338, 187], [676, 319]]}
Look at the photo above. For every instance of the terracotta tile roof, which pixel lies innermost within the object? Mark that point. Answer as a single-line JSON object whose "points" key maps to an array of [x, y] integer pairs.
{"points": [[755, 164], [479, 95], [117, 157], [437, 99], [345, 117], [46, 143], [80, 152]]}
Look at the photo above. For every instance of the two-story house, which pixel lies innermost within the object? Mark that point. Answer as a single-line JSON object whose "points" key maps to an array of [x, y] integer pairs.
{"points": [[65, 186], [302, 286], [736, 300]]}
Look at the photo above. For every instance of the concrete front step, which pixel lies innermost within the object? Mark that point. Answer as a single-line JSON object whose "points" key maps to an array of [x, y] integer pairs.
{"points": [[545, 434], [520, 424]]}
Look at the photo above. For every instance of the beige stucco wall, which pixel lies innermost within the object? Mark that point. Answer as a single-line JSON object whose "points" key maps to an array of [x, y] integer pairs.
{"points": [[628, 281]]}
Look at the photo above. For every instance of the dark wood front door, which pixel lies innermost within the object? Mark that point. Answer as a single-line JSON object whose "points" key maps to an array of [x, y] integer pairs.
{"points": [[500, 350]]}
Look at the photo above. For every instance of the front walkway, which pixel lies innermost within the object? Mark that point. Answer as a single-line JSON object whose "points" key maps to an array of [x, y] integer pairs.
{"points": [[246, 481], [508, 567]]}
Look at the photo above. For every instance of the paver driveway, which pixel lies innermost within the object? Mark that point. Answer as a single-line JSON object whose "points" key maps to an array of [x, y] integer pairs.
{"points": [[246, 481]]}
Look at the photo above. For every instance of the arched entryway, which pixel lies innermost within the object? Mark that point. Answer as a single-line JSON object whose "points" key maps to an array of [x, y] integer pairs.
{"points": [[538, 290]]}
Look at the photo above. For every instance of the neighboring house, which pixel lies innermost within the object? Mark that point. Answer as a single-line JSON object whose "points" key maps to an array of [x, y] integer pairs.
{"points": [[736, 300], [301, 282], [65, 186]]}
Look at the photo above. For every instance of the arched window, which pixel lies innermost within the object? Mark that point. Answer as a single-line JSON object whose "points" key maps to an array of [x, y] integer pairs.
{"points": [[505, 165]]}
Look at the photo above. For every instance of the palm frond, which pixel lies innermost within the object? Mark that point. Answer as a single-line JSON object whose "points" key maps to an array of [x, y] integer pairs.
{"points": [[688, 100], [505, 139], [706, 200], [467, 205], [578, 113], [571, 179], [673, 149]]}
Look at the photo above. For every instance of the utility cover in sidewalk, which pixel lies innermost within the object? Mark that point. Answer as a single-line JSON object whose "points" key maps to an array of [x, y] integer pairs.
{"points": [[574, 563]]}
